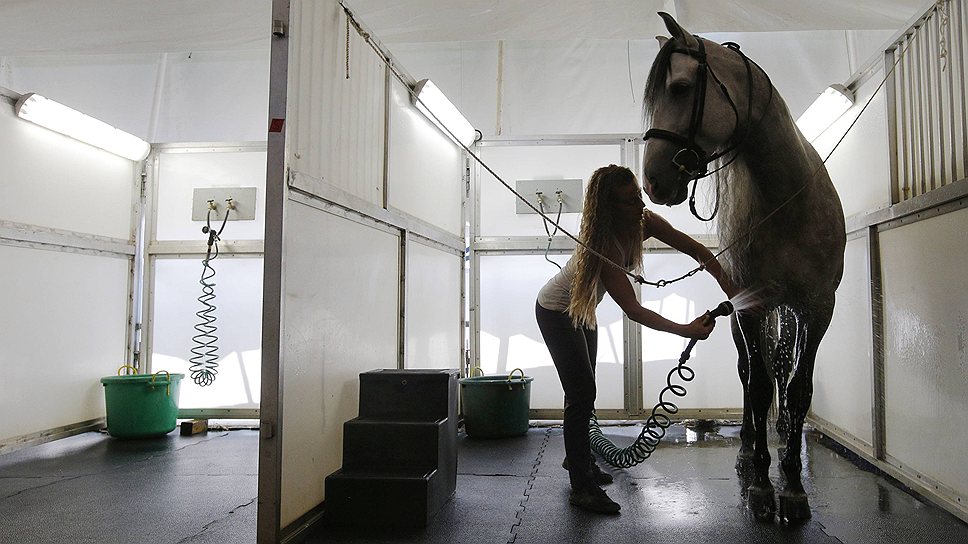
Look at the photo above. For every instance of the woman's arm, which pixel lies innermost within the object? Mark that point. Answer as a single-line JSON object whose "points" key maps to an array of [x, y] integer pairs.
{"points": [[620, 289], [656, 226]]}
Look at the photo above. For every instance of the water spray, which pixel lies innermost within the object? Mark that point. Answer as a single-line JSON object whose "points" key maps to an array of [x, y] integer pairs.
{"points": [[657, 422]]}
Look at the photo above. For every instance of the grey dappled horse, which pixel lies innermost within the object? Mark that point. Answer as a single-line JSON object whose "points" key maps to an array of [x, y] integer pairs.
{"points": [[709, 107]]}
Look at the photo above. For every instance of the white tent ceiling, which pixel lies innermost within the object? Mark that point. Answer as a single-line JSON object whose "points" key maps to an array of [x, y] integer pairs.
{"points": [[29, 27]]}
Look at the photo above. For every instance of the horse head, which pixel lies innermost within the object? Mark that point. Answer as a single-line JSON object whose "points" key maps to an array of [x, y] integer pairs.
{"points": [[696, 106]]}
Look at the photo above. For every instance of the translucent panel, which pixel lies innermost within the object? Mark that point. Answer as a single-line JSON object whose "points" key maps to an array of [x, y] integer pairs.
{"points": [[925, 354], [434, 321], [238, 303], [716, 384], [510, 337], [843, 376], [58, 182], [61, 330], [425, 174], [180, 173], [497, 205]]}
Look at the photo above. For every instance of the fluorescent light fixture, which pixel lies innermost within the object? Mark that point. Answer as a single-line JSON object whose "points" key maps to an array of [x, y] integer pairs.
{"points": [[59, 118], [827, 108], [444, 114]]}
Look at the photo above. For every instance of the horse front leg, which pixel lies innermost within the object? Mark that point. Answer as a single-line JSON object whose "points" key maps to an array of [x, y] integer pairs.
{"points": [[794, 506], [758, 396], [744, 459]]}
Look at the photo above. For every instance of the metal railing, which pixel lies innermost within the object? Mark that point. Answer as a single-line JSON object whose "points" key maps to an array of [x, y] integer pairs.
{"points": [[927, 102]]}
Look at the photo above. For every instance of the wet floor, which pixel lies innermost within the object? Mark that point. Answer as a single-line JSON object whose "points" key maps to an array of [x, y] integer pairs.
{"points": [[514, 490], [91, 488]]}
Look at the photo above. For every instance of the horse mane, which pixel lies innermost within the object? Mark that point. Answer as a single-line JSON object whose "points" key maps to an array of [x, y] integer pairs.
{"points": [[655, 84]]}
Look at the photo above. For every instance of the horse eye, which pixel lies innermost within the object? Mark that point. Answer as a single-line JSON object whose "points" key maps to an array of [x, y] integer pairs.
{"points": [[679, 88]]}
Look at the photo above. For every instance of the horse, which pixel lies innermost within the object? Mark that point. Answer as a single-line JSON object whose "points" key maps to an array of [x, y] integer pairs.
{"points": [[781, 225]]}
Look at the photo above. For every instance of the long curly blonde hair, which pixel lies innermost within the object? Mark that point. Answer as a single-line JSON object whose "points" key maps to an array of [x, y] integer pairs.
{"points": [[601, 229]]}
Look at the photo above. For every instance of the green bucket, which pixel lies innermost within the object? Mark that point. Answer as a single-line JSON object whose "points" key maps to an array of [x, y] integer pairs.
{"points": [[141, 405], [496, 406]]}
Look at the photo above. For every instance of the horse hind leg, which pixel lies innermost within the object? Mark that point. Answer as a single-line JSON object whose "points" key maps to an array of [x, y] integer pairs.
{"points": [[794, 505]]}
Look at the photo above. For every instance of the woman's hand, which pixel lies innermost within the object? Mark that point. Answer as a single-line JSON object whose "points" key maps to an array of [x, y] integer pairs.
{"points": [[700, 328]]}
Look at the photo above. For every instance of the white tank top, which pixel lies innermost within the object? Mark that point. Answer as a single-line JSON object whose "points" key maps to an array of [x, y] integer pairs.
{"points": [[556, 294]]}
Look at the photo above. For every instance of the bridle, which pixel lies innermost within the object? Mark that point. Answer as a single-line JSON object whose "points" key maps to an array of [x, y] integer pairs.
{"points": [[692, 161]]}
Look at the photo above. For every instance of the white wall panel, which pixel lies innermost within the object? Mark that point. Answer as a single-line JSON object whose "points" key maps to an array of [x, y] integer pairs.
{"points": [[842, 391], [54, 181], [214, 96], [338, 136], [714, 360], [512, 163], [238, 307], [926, 358], [510, 337], [860, 166], [180, 173], [333, 266], [58, 340], [434, 320], [424, 173]]}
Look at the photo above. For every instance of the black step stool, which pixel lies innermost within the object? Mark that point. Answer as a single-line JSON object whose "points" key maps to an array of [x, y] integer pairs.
{"points": [[400, 454]]}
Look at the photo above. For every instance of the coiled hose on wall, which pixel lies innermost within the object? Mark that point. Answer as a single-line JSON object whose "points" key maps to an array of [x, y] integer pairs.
{"points": [[204, 362]]}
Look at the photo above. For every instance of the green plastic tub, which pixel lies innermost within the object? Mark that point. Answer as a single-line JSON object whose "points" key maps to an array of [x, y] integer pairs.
{"points": [[496, 406], [141, 405]]}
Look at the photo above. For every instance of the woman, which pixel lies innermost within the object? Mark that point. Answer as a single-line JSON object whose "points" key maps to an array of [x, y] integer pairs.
{"points": [[614, 224]]}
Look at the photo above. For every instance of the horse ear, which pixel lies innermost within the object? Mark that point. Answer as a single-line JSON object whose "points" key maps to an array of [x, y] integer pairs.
{"points": [[662, 40], [678, 33]]}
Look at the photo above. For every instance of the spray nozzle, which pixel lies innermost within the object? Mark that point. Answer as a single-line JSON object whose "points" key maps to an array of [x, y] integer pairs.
{"points": [[724, 308]]}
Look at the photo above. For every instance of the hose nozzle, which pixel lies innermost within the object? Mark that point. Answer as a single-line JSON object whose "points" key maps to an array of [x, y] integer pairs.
{"points": [[725, 308]]}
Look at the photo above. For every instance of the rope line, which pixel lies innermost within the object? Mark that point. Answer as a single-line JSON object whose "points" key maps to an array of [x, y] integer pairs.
{"points": [[635, 277]]}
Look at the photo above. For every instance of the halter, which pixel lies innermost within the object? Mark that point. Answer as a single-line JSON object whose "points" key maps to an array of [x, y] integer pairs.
{"points": [[691, 160]]}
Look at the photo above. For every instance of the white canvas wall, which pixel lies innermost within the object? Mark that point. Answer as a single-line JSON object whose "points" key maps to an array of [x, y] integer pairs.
{"points": [[925, 355], [434, 315], [843, 376], [178, 96], [332, 264], [56, 340]]}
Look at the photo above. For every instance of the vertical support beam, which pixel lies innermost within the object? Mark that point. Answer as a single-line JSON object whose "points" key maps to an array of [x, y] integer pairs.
{"points": [[474, 312], [402, 317], [268, 527], [877, 349], [632, 331], [892, 120], [464, 318]]}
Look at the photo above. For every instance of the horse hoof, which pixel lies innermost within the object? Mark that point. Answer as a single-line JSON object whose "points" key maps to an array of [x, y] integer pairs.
{"points": [[794, 507], [761, 503], [744, 461]]}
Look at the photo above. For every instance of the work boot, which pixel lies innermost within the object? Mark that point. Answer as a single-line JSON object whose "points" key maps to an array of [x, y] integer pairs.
{"points": [[599, 476], [593, 499]]}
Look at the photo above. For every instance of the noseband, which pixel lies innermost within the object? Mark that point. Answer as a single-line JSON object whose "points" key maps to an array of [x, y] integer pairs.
{"points": [[692, 161]]}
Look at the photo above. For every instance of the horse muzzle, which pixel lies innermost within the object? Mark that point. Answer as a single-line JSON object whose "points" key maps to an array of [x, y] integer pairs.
{"points": [[669, 194]]}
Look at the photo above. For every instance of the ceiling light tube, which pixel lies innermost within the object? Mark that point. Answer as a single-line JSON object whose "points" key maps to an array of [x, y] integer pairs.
{"points": [[442, 112], [69, 122], [827, 108]]}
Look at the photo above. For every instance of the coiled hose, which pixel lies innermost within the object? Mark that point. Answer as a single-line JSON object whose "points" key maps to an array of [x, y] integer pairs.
{"points": [[657, 422], [204, 362]]}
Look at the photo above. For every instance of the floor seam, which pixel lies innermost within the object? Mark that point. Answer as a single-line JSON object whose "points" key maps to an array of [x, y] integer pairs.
{"points": [[523, 504], [213, 522]]}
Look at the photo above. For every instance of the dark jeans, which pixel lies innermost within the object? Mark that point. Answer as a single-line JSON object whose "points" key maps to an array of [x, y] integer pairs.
{"points": [[573, 351]]}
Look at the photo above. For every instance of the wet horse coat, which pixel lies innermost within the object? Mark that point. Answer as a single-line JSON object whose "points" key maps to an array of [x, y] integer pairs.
{"points": [[781, 221]]}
